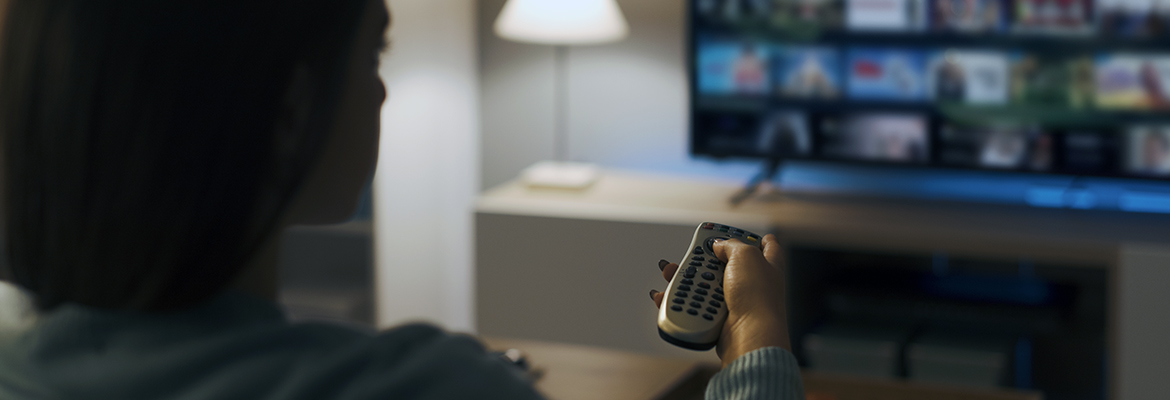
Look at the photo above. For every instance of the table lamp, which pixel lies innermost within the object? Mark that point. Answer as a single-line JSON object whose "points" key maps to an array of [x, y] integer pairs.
{"points": [[561, 23]]}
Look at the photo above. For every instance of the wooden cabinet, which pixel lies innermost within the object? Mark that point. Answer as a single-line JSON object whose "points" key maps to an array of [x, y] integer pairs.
{"points": [[576, 266]]}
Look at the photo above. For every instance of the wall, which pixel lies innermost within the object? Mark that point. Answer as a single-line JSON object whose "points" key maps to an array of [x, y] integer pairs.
{"points": [[426, 179], [627, 100]]}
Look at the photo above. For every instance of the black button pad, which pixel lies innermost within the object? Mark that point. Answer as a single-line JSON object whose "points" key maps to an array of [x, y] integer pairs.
{"points": [[705, 296]]}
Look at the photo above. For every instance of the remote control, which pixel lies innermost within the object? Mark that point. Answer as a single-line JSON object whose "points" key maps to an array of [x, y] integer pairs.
{"points": [[693, 310]]}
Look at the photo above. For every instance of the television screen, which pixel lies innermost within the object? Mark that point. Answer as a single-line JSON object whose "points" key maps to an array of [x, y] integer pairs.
{"points": [[1074, 87]]}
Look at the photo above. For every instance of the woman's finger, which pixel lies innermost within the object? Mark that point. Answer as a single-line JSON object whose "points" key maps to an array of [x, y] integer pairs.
{"points": [[668, 271], [657, 297], [772, 250]]}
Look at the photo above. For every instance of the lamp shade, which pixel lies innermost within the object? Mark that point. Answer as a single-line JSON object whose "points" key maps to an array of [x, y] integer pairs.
{"points": [[562, 22]]}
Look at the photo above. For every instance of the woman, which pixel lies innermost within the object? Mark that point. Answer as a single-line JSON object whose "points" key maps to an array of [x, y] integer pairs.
{"points": [[152, 152]]}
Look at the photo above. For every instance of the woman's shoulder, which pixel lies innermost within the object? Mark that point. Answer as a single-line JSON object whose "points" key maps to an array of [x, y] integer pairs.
{"points": [[416, 361], [238, 346]]}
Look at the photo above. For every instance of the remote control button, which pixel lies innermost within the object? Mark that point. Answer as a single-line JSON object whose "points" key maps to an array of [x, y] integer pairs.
{"points": [[704, 285], [689, 275], [701, 291], [752, 239], [680, 294], [709, 244], [676, 308], [692, 311], [697, 258], [691, 269], [713, 310], [709, 225], [680, 300], [716, 296], [696, 263], [723, 229], [708, 317], [699, 298], [699, 250], [713, 267], [690, 282], [696, 304], [717, 290], [708, 276], [684, 287], [713, 303]]}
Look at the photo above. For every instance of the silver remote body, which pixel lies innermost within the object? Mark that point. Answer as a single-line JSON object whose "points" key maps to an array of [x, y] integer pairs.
{"points": [[694, 308]]}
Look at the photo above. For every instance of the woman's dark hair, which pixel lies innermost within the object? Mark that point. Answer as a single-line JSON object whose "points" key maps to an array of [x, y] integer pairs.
{"points": [[144, 158]]}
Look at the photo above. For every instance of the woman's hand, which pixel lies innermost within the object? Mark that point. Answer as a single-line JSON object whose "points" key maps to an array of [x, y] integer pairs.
{"points": [[754, 285]]}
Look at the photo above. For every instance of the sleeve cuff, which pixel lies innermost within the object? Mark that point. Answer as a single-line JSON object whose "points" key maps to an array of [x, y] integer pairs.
{"points": [[767, 373]]}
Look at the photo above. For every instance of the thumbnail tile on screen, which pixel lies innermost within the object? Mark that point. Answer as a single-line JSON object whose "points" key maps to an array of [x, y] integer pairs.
{"points": [[785, 134], [972, 77], [1133, 82], [1148, 150], [734, 11], [726, 67], [885, 15], [1051, 80], [1090, 151], [877, 137], [808, 72], [997, 146], [968, 16], [886, 74], [825, 14], [1134, 18], [728, 132], [1053, 17]]}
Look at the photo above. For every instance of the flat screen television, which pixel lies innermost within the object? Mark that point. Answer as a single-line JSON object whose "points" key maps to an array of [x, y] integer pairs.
{"points": [[1072, 87]]}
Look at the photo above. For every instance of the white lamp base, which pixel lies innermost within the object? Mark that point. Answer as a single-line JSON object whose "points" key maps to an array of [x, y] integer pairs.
{"points": [[560, 175]]}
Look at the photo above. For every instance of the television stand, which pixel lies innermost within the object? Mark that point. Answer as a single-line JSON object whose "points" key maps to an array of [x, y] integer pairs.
{"points": [[767, 173]]}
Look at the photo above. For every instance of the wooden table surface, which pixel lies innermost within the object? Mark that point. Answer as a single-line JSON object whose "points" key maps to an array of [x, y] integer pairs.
{"points": [[574, 372]]}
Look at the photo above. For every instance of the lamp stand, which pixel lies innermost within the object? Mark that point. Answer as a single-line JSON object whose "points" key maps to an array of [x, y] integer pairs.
{"points": [[561, 173]]}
